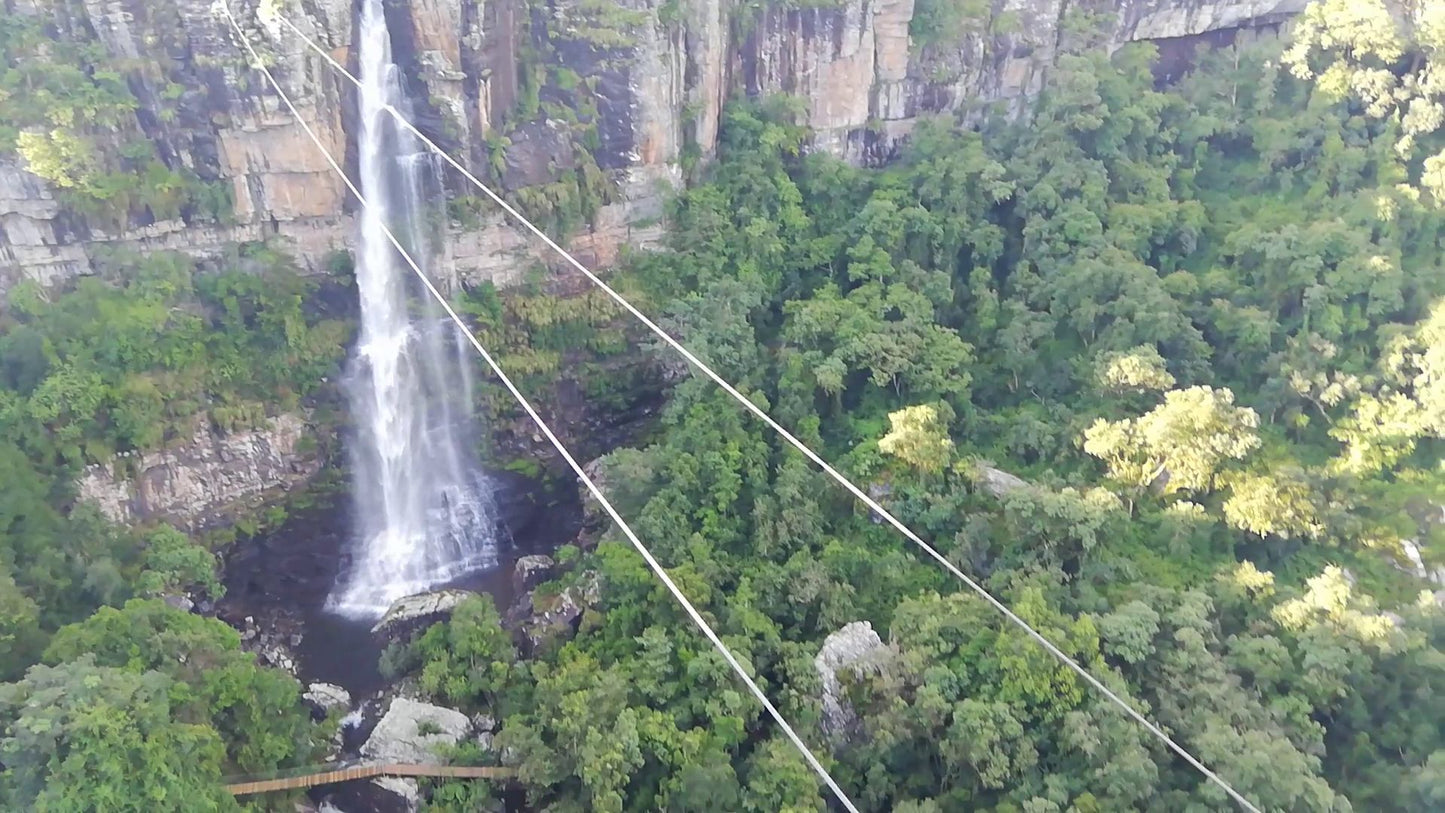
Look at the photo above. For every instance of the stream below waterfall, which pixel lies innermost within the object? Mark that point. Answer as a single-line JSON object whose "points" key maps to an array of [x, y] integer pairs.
{"points": [[281, 579]]}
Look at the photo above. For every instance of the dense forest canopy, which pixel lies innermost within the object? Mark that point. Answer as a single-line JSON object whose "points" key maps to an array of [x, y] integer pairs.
{"points": [[1202, 324]]}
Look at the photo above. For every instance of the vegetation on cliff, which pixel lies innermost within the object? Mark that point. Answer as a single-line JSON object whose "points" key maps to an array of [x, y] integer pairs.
{"points": [[139, 704], [68, 109], [1204, 322]]}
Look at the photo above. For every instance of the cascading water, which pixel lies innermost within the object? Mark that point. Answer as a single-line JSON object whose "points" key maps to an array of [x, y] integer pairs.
{"points": [[424, 511]]}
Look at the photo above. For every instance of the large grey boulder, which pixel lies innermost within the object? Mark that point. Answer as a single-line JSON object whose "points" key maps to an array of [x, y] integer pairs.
{"points": [[852, 652], [420, 609], [531, 571], [997, 482], [323, 697], [411, 733]]}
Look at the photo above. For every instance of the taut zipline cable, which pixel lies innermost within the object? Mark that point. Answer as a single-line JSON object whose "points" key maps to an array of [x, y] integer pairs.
{"points": [[807, 452], [552, 438]]}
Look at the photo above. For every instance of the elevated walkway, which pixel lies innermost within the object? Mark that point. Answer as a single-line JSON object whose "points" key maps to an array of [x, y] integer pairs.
{"points": [[353, 772]]}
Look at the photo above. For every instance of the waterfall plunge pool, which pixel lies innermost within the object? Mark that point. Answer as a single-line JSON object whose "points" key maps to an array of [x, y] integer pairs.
{"points": [[282, 578]]}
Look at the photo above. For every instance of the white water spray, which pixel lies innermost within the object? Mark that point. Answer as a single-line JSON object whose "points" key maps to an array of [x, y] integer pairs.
{"points": [[423, 509]]}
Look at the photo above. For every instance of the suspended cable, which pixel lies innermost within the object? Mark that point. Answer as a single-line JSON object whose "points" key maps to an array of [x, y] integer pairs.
{"points": [[807, 452], [552, 438]]}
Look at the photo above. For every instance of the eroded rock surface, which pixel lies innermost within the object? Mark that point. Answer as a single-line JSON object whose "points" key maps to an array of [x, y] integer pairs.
{"points": [[202, 481], [411, 732], [325, 697], [630, 88], [852, 652], [531, 571], [419, 610]]}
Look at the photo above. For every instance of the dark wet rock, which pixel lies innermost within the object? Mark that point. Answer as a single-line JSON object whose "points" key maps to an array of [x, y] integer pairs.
{"points": [[405, 789], [531, 571], [364, 797], [281, 579], [594, 517]]}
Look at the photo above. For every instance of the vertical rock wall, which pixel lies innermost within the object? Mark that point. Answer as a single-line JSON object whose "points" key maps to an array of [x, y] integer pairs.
{"points": [[586, 111]]}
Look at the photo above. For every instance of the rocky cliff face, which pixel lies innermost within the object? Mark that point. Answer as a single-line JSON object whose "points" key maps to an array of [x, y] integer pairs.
{"points": [[200, 482], [585, 111]]}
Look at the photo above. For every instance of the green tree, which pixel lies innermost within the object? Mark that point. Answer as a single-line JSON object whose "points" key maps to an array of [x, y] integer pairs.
{"points": [[172, 564], [918, 438], [1178, 445], [1279, 503], [468, 658], [85, 737], [255, 710], [1355, 47]]}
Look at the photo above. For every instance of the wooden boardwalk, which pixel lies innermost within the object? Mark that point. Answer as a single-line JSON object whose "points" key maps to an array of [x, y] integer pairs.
{"points": [[365, 772]]}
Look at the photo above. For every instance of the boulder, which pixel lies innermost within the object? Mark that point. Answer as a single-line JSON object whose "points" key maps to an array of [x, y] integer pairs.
{"points": [[1417, 565], [323, 697], [182, 603], [531, 571], [997, 483], [422, 609], [850, 653], [485, 727], [411, 732], [405, 789], [547, 619], [375, 796]]}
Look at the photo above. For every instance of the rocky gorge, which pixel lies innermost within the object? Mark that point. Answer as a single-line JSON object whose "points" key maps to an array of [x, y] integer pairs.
{"points": [[588, 115]]}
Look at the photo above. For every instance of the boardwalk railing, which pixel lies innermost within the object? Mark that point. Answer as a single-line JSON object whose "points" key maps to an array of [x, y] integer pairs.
{"points": [[353, 772]]}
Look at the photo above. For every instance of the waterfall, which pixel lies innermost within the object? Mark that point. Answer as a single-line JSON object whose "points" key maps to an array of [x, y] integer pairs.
{"points": [[423, 509]]}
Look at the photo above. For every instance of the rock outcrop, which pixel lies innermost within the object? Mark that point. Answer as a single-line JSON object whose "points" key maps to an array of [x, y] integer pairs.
{"points": [[411, 732], [201, 482], [850, 653], [325, 697], [555, 101], [594, 516], [997, 482], [544, 620], [1417, 565], [531, 571], [422, 609]]}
